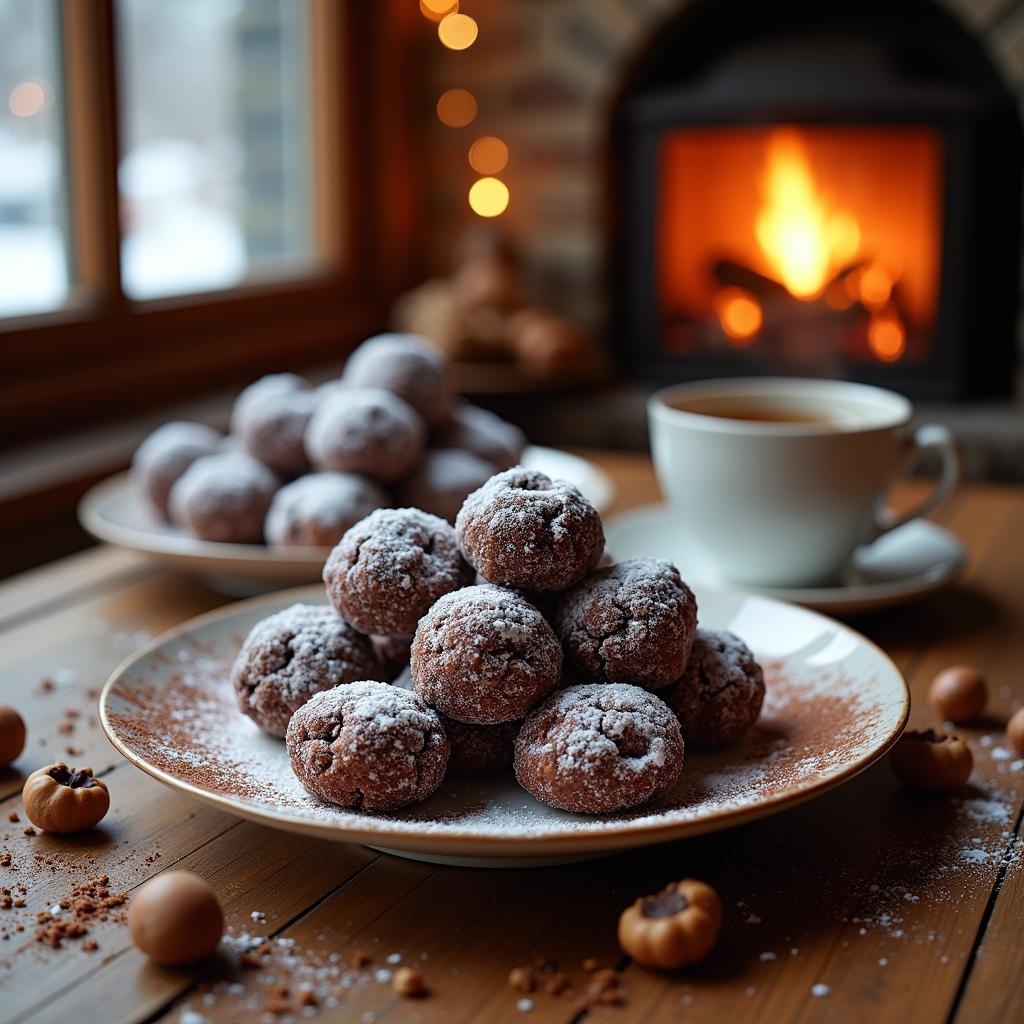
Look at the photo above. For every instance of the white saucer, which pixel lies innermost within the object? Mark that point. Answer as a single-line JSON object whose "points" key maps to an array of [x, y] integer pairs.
{"points": [[908, 563]]}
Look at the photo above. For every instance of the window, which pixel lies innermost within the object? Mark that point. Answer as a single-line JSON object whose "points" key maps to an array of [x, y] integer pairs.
{"points": [[214, 144], [194, 192], [33, 187]]}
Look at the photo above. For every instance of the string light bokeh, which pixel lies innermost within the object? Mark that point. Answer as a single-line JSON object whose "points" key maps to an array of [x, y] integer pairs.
{"points": [[26, 99], [488, 155]]}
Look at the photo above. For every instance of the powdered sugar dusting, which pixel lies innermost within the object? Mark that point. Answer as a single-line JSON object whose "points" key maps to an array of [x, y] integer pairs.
{"points": [[177, 712]]}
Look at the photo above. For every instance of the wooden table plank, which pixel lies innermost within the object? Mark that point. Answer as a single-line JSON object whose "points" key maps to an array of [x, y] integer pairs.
{"points": [[52, 667], [806, 874], [68, 581]]}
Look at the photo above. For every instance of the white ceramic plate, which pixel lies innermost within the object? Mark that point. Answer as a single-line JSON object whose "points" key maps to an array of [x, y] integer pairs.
{"points": [[835, 703], [113, 511], [915, 560]]}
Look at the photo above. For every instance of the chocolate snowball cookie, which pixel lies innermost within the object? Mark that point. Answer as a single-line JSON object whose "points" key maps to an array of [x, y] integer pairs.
{"points": [[482, 654], [523, 529], [444, 478], [224, 497], [632, 622], [316, 510], [719, 696], [165, 455], [598, 748], [274, 430], [484, 434], [367, 745], [393, 655], [391, 567], [407, 365], [365, 430], [252, 396], [293, 654], [479, 749]]}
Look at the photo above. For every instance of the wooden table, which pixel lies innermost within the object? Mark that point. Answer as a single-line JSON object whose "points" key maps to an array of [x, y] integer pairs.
{"points": [[891, 906]]}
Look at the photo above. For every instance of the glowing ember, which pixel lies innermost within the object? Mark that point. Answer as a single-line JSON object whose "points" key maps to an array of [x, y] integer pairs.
{"points": [[887, 337], [739, 314]]}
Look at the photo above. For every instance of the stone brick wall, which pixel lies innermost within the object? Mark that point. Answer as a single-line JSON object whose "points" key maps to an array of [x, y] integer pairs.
{"points": [[542, 72]]}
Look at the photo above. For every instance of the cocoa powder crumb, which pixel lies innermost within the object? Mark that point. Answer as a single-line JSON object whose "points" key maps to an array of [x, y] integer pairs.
{"points": [[5, 859], [29, 830], [361, 959], [66, 728], [47, 686], [90, 945], [13, 816]]}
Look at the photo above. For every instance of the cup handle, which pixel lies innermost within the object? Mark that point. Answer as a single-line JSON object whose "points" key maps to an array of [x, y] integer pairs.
{"points": [[927, 437]]}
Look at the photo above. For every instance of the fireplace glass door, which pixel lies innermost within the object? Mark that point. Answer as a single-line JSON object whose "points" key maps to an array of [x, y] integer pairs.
{"points": [[800, 246]]}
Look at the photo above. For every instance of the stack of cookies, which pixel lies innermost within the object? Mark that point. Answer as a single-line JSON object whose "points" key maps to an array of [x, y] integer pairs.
{"points": [[303, 464], [525, 644]]}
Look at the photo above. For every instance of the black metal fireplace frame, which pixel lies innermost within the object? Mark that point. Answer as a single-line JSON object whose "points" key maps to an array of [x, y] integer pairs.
{"points": [[974, 340]]}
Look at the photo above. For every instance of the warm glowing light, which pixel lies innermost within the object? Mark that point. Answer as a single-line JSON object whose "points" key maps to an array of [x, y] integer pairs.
{"points": [[26, 99], [488, 155], [456, 108], [874, 286], [887, 337], [488, 197], [435, 10], [457, 31], [804, 240], [739, 314]]}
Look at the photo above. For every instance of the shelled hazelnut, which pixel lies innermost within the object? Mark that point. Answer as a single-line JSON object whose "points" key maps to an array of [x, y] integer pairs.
{"points": [[958, 693], [62, 799], [176, 918], [932, 761], [12, 735], [674, 927]]}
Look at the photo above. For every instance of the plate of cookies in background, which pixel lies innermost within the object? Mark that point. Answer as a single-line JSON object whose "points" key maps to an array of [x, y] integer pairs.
{"points": [[259, 507], [500, 691]]}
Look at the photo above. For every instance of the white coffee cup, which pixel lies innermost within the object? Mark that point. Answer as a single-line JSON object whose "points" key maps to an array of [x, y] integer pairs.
{"points": [[785, 502]]}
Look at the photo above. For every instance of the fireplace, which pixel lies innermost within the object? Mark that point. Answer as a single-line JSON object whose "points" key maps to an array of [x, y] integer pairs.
{"points": [[825, 191]]}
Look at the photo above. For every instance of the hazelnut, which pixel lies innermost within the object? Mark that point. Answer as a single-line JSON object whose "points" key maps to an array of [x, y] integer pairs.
{"points": [[176, 918], [62, 799], [931, 761], [958, 693], [409, 983], [12, 735], [674, 927], [1015, 731]]}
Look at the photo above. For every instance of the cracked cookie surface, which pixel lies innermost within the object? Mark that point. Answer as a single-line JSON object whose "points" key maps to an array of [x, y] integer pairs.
{"points": [[632, 622], [523, 529], [484, 655], [719, 696], [368, 745], [294, 654], [598, 748], [391, 567]]}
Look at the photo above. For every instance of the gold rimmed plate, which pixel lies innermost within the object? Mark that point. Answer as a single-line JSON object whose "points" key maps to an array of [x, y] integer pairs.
{"points": [[835, 703]]}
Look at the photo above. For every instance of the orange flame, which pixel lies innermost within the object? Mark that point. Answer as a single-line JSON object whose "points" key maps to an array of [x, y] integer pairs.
{"points": [[804, 240]]}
